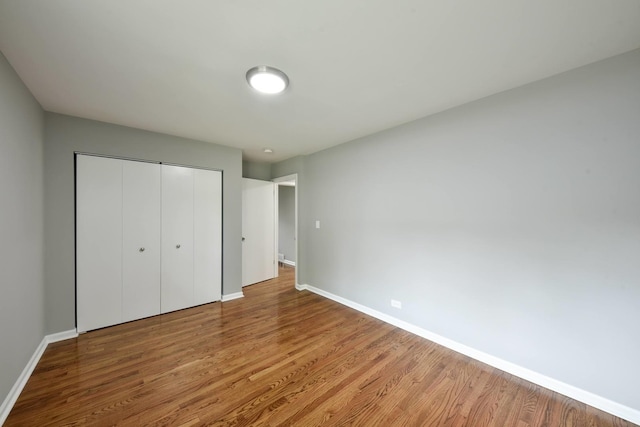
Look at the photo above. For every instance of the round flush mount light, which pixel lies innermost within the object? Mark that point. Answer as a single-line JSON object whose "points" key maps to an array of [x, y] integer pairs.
{"points": [[267, 79], [268, 150]]}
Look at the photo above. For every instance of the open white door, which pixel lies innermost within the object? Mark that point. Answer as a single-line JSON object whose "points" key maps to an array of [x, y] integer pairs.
{"points": [[258, 231]]}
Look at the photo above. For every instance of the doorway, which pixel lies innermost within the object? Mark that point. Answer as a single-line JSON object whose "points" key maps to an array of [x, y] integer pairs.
{"points": [[287, 221]]}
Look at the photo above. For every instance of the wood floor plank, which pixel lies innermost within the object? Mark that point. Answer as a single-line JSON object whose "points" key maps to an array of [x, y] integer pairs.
{"points": [[278, 357]]}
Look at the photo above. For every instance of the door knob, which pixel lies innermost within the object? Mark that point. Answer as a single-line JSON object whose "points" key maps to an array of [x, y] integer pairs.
{"points": [[243, 239], [177, 246], [141, 249]]}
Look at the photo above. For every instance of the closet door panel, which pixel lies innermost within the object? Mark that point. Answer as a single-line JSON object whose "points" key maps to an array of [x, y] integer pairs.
{"points": [[141, 240], [177, 238], [98, 242], [207, 236]]}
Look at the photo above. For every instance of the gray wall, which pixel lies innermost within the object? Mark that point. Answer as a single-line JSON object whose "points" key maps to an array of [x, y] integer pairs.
{"points": [[287, 222], [510, 225], [21, 226], [256, 170], [288, 167], [66, 135]]}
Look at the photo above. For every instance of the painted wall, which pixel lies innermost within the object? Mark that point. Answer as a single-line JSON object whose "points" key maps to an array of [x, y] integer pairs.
{"points": [[66, 135], [288, 167], [21, 226], [287, 222], [510, 225], [256, 170]]}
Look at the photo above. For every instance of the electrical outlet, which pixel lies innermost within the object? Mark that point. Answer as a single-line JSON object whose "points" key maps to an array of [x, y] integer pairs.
{"points": [[396, 304]]}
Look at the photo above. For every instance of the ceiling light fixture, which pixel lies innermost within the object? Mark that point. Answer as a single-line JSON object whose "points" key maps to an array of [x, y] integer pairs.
{"points": [[268, 150], [267, 79]]}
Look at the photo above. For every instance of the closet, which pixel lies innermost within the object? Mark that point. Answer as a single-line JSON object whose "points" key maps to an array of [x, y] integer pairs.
{"points": [[148, 239]]}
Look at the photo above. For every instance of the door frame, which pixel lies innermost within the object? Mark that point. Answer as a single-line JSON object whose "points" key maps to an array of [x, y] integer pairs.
{"points": [[288, 178]]}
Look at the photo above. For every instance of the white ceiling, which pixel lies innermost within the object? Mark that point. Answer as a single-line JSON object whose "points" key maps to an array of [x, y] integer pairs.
{"points": [[356, 66]]}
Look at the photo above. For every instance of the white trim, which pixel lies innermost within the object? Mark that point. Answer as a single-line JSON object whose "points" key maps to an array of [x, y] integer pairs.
{"points": [[18, 386], [235, 295], [61, 336], [602, 403], [291, 177], [276, 228], [15, 391], [291, 263]]}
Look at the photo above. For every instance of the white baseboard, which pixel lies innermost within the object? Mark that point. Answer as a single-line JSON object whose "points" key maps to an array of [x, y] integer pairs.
{"points": [[17, 388], [15, 391], [61, 336], [233, 296], [291, 263], [602, 403]]}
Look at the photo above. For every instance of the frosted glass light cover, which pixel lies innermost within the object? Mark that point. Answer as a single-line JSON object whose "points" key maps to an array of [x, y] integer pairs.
{"points": [[267, 79]]}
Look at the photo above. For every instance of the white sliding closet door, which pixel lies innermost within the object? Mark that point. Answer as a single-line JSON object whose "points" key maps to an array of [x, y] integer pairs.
{"points": [[141, 240], [98, 242], [177, 238], [207, 234]]}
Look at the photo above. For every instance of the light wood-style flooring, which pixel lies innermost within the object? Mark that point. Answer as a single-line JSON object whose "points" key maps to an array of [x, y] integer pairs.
{"points": [[278, 357]]}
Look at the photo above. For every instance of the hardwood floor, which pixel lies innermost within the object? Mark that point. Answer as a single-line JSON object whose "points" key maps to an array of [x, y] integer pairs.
{"points": [[278, 357]]}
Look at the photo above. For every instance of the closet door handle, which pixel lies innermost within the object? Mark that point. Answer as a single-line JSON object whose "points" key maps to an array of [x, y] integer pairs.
{"points": [[141, 249], [177, 246]]}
